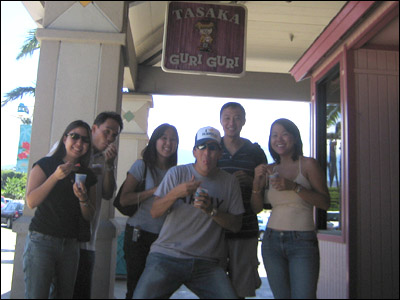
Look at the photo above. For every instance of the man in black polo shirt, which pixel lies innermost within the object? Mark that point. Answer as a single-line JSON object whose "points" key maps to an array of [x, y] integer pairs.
{"points": [[240, 157]]}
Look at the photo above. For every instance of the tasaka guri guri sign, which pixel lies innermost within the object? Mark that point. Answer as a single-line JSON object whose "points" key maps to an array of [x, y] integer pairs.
{"points": [[205, 38]]}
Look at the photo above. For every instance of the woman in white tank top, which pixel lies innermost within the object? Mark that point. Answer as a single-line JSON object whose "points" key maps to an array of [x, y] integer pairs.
{"points": [[296, 184]]}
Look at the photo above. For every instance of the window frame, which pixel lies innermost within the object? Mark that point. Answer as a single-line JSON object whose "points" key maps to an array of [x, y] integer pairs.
{"points": [[319, 146]]}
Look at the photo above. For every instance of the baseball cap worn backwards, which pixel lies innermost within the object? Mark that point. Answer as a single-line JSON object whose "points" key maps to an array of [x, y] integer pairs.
{"points": [[206, 134]]}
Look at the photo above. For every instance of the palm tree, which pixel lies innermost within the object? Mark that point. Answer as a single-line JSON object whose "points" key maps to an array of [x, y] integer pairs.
{"points": [[333, 118], [17, 93], [30, 45]]}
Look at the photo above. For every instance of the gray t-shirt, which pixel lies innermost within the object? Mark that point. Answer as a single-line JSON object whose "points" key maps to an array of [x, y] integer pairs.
{"points": [[142, 217], [188, 232]]}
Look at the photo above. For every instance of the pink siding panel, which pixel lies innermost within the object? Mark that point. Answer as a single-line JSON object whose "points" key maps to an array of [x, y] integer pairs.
{"points": [[364, 176], [374, 145], [376, 96], [332, 280], [384, 175], [392, 61], [393, 96]]}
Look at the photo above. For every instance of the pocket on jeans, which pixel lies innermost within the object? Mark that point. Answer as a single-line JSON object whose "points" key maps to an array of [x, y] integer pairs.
{"points": [[35, 236], [127, 238], [306, 238], [306, 235], [268, 240], [267, 234]]}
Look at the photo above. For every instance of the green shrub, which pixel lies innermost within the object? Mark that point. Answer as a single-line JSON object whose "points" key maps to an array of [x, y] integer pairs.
{"points": [[334, 192], [13, 184]]}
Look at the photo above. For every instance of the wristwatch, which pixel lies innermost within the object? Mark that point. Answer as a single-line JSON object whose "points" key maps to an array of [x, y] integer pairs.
{"points": [[213, 212]]}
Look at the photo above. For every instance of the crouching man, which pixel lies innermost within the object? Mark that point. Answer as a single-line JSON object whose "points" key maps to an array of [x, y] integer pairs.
{"points": [[200, 201]]}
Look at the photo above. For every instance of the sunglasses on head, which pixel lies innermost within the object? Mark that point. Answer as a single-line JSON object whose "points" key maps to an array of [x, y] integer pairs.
{"points": [[77, 136], [211, 147]]}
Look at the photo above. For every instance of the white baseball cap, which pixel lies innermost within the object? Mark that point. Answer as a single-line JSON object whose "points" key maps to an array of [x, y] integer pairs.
{"points": [[206, 134]]}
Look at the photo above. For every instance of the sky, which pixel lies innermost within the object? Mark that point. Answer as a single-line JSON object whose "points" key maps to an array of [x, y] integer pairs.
{"points": [[193, 113], [15, 24]]}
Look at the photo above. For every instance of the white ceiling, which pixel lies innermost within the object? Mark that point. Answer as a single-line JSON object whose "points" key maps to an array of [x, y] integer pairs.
{"points": [[278, 32]]}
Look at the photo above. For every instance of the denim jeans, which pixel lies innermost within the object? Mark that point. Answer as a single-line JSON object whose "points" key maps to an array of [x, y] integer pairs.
{"points": [[164, 274], [83, 282], [291, 259], [135, 256], [47, 258]]}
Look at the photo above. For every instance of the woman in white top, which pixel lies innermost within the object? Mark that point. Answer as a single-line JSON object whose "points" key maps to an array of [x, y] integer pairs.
{"points": [[296, 184]]}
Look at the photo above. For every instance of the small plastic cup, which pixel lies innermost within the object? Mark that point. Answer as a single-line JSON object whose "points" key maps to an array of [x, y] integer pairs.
{"points": [[272, 176], [198, 191], [275, 175], [80, 178]]}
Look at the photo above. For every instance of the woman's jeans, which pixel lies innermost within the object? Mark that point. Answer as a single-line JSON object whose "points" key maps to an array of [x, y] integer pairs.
{"points": [[291, 259], [164, 274], [49, 259]]}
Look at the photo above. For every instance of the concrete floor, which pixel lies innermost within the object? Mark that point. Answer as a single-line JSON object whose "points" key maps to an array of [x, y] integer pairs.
{"points": [[7, 261]]}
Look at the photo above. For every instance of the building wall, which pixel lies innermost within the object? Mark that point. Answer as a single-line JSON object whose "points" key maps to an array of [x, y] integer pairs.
{"points": [[376, 97], [367, 264], [332, 280]]}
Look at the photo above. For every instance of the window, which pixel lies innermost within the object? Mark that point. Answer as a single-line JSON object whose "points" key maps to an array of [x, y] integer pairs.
{"points": [[329, 139]]}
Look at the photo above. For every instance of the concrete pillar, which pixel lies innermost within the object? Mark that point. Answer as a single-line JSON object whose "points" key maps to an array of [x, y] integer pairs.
{"points": [[133, 139], [80, 74]]}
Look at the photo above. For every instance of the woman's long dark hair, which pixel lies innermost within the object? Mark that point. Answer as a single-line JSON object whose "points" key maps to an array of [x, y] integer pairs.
{"points": [[61, 151], [293, 130], [149, 153]]}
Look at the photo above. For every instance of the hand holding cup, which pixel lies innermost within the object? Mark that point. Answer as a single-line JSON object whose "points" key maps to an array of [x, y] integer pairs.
{"points": [[79, 187], [272, 179], [201, 199]]}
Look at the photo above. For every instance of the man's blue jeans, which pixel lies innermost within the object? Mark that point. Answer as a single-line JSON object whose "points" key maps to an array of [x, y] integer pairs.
{"points": [[291, 259], [164, 274], [48, 258]]}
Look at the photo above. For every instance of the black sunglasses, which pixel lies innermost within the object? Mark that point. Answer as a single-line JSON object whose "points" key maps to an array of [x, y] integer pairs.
{"points": [[77, 136], [211, 147]]}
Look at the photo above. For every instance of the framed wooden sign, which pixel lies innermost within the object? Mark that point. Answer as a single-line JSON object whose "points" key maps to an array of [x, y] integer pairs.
{"points": [[205, 38]]}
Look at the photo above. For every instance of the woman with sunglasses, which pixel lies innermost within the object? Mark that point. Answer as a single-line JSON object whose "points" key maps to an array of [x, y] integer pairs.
{"points": [[142, 229], [52, 247]]}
